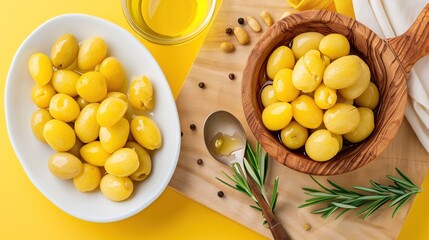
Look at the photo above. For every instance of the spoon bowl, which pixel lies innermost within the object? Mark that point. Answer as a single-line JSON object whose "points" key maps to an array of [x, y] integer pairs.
{"points": [[225, 123]]}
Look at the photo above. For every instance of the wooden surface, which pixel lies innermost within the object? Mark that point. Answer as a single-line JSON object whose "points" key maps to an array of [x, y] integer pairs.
{"points": [[198, 182]]}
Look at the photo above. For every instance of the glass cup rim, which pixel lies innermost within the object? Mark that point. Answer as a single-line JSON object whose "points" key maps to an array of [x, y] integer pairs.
{"points": [[159, 39]]}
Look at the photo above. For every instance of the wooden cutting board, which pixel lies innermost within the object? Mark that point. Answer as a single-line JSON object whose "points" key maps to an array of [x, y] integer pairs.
{"points": [[198, 182]]}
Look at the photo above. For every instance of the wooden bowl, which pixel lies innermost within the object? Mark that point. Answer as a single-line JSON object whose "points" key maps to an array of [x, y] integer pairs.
{"points": [[390, 62]]}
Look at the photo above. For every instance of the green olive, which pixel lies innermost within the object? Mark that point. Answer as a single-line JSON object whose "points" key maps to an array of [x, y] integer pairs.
{"points": [[294, 135], [277, 116], [281, 57], [268, 95], [64, 165], [116, 188], [64, 51], [305, 42], [146, 132], [325, 97], [322, 145], [343, 72], [64, 81], [308, 71], [38, 120], [341, 118], [145, 165], [369, 98], [59, 135], [111, 111], [122, 163], [306, 112], [114, 137], [94, 153], [42, 95], [92, 87], [283, 86], [364, 128], [86, 125], [140, 93], [40, 68], [92, 52], [63, 107], [88, 179], [334, 46], [361, 84], [112, 69]]}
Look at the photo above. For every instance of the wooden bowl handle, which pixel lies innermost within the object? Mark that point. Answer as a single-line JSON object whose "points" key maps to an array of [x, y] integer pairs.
{"points": [[414, 43]]}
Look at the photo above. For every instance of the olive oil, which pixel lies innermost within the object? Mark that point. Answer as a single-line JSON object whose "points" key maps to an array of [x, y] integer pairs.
{"points": [[169, 18], [225, 145]]}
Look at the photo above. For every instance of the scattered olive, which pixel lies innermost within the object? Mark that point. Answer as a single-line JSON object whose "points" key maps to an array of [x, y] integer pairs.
{"points": [[307, 227]]}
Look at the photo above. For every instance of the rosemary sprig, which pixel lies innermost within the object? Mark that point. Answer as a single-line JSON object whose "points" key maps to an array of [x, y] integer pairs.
{"points": [[256, 165], [343, 200]]}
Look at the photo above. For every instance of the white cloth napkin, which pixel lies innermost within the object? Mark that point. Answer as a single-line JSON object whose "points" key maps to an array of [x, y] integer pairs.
{"points": [[390, 18]]}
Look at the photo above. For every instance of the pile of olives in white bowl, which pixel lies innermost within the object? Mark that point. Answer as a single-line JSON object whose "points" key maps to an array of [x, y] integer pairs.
{"points": [[319, 98], [99, 132]]}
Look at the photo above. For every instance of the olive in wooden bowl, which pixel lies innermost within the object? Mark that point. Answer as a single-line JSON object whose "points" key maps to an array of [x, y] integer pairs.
{"points": [[389, 62]]}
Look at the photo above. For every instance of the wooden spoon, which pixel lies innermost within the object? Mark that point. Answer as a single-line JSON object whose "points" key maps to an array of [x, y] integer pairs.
{"points": [[226, 123], [389, 60]]}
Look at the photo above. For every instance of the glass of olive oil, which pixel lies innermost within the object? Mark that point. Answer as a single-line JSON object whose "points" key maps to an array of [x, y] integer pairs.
{"points": [[168, 22]]}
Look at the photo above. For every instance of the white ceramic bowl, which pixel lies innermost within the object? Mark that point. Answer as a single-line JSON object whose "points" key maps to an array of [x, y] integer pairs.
{"points": [[34, 155]]}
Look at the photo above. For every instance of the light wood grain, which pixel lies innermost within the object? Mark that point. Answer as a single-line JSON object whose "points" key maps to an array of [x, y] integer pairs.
{"points": [[198, 182]]}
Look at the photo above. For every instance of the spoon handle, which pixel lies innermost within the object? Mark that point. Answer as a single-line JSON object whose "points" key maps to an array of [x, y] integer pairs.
{"points": [[276, 228]]}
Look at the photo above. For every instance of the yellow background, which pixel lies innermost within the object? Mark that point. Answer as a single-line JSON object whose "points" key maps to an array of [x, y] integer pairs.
{"points": [[26, 214]]}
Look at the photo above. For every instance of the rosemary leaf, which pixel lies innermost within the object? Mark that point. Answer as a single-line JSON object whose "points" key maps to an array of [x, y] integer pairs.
{"points": [[256, 165], [404, 176], [265, 168], [274, 194], [342, 205], [320, 185], [339, 198], [327, 214], [252, 173], [338, 187], [397, 200], [380, 203], [371, 190], [400, 205], [372, 197]]}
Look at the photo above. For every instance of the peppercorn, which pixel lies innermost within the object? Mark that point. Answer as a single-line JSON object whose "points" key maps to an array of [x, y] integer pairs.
{"points": [[229, 31], [193, 127], [181, 133], [220, 194], [201, 85], [231, 76], [240, 21], [199, 161]]}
